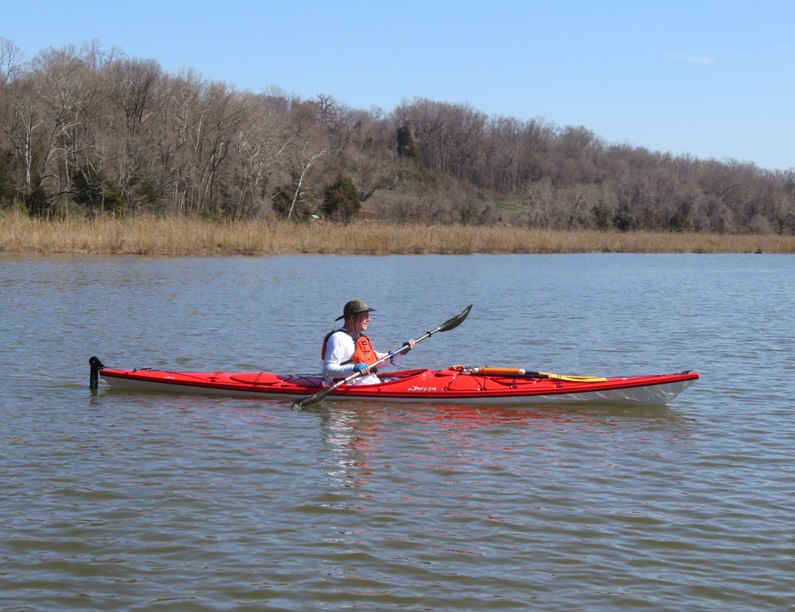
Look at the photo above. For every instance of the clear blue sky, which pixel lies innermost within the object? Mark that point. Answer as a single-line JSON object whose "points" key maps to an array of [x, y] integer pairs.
{"points": [[709, 78]]}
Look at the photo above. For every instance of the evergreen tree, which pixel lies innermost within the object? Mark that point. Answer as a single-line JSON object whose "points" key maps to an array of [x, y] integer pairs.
{"points": [[341, 200]]}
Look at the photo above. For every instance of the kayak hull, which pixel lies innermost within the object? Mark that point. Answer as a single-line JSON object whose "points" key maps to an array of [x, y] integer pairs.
{"points": [[449, 386]]}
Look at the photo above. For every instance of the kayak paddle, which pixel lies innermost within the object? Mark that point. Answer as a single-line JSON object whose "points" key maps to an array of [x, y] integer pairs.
{"points": [[451, 323], [522, 373]]}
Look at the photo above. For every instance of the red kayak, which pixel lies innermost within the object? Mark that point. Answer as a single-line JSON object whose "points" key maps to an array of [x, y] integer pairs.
{"points": [[454, 385]]}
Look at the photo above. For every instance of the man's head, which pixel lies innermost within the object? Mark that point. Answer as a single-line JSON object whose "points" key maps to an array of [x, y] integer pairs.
{"points": [[354, 307], [357, 316]]}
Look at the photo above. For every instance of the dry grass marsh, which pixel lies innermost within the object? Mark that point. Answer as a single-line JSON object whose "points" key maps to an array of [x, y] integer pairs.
{"points": [[193, 237]]}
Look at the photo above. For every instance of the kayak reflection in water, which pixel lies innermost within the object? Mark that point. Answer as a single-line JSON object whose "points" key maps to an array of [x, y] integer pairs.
{"points": [[347, 350]]}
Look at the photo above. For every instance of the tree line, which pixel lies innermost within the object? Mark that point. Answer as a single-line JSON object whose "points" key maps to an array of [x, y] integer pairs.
{"points": [[85, 130]]}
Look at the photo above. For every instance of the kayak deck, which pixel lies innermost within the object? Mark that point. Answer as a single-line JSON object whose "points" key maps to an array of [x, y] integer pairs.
{"points": [[458, 385]]}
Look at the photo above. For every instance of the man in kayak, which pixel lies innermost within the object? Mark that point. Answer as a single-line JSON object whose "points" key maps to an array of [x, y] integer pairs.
{"points": [[348, 350]]}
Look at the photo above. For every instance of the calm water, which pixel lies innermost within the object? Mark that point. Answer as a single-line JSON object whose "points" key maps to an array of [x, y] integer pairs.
{"points": [[115, 501]]}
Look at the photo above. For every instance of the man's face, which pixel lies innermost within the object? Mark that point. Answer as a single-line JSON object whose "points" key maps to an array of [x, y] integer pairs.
{"points": [[360, 322]]}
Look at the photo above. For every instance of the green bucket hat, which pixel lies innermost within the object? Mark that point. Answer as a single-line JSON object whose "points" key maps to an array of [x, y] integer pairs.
{"points": [[354, 307]]}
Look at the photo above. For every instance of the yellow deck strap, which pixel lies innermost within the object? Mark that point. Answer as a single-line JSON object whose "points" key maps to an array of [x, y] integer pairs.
{"points": [[572, 378]]}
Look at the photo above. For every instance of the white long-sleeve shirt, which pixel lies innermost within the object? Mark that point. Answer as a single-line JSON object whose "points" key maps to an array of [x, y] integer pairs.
{"points": [[339, 350]]}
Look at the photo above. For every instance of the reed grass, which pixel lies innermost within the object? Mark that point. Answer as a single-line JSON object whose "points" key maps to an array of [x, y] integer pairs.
{"points": [[176, 236]]}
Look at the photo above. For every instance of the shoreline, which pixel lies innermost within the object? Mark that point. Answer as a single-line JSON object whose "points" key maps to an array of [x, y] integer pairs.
{"points": [[184, 237]]}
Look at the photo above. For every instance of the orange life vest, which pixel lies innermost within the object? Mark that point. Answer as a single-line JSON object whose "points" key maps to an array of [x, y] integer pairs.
{"points": [[363, 351]]}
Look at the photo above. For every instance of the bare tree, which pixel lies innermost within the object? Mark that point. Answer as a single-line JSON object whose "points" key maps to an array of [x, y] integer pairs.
{"points": [[307, 160], [11, 61]]}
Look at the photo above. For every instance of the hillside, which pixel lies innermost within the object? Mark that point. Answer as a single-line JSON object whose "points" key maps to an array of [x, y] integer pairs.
{"points": [[90, 132]]}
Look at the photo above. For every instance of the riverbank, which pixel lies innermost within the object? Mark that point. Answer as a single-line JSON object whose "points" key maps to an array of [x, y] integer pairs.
{"points": [[193, 237]]}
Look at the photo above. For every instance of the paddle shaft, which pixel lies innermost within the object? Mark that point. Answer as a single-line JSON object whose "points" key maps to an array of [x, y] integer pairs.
{"points": [[521, 373], [446, 326], [490, 371]]}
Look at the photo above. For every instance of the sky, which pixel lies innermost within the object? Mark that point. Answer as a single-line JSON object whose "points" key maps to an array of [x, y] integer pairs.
{"points": [[713, 79]]}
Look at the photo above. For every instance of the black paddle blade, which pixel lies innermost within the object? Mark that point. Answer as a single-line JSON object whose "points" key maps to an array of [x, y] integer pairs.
{"points": [[307, 401], [312, 399], [456, 320]]}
